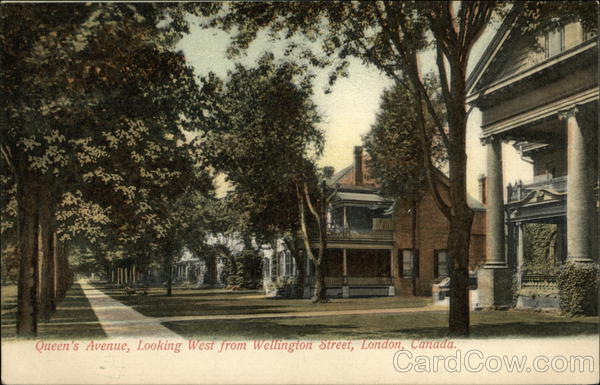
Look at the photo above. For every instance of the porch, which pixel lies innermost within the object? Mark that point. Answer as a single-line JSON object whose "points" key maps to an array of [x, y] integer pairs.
{"points": [[352, 272], [537, 233]]}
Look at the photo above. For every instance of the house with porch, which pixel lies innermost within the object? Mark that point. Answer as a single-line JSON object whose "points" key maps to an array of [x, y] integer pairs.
{"points": [[539, 93], [371, 249]]}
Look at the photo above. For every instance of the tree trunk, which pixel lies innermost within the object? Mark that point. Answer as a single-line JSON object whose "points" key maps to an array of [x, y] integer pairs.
{"points": [[168, 266], [301, 266], [292, 244], [211, 269], [321, 263], [27, 306], [461, 218], [458, 248], [63, 275], [47, 290], [414, 244], [320, 293]]}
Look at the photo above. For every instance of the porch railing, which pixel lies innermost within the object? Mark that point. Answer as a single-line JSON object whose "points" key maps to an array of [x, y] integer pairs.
{"points": [[346, 234], [519, 190], [369, 281], [353, 281], [538, 281]]}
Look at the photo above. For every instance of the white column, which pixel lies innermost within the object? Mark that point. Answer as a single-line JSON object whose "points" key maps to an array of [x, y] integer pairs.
{"points": [[578, 191], [494, 205]]}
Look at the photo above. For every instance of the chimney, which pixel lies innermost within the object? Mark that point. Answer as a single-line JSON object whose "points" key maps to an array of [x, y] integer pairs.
{"points": [[358, 172], [328, 171], [482, 186]]}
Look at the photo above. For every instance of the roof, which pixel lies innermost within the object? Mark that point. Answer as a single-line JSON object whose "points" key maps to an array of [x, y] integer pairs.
{"points": [[339, 175], [490, 52], [474, 203], [362, 197], [370, 194]]}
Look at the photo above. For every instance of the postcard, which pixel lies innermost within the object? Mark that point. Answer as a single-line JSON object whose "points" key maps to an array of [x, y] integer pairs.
{"points": [[299, 192]]}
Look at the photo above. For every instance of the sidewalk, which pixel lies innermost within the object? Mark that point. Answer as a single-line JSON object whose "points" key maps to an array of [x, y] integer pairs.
{"points": [[119, 320]]}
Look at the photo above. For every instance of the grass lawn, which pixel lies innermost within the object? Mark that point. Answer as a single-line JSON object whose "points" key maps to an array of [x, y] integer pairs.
{"points": [[190, 302], [486, 324], [74, 317]]}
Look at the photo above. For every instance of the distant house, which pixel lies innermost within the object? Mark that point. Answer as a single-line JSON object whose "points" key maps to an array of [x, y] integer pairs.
{"points": [[370, 246], [543, 99]]}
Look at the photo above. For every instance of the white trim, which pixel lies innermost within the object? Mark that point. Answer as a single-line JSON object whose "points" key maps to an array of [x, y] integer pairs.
{"points": [[540, 112], [508, 80], [489, 60]]}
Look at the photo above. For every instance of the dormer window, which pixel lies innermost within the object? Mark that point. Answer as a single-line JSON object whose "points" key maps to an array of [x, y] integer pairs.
{"points": [[588, 35], [554, 42]]}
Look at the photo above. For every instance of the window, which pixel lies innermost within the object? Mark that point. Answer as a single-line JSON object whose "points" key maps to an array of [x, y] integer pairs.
{"points": [[409, 264], [267, 268], [554, 42], [441, 263], [588, 35], [290, 264]]}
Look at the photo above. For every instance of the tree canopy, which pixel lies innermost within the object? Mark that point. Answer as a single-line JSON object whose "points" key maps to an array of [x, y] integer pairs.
{"points": [[93, 127]]}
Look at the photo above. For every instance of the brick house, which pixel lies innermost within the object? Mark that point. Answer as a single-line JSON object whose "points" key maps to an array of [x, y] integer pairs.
{"points": [[370, 245]]}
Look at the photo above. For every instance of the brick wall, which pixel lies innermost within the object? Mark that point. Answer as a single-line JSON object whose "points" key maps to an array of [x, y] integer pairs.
{"points": [[431, 235]]}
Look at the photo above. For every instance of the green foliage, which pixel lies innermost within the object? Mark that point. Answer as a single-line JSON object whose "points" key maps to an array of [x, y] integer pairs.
{"points": [[578, 288], [243, 270], [84, 261], [266, 140], [9, 263], [540, 248], [542, 16], [97, 107], [395, 150]]}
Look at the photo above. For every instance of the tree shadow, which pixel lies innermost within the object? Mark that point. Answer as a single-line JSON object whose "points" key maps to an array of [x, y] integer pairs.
{"points": [[253, 329], [505, 330], [271, 328], [74, 318]]}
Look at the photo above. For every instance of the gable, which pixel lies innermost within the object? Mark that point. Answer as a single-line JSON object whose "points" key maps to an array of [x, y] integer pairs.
{"points": [[482, 68], [511, 54]]}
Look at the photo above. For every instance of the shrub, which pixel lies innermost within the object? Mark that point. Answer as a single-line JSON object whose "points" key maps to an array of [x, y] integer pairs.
{"points": [[578, 288], [243, 271]]}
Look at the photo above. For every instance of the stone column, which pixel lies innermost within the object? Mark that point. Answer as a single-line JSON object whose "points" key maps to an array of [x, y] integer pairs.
{"points": [[494, 281], [494, 205], [578, 191]]}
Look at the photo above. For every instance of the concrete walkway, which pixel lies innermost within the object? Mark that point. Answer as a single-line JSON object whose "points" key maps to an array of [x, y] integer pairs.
{"points": [[119, 320]]}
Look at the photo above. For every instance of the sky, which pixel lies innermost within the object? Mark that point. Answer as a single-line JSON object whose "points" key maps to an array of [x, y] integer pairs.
{"points": [[350, 109]]}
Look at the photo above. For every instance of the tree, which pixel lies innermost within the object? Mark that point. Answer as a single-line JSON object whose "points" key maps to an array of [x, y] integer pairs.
{"points": [[266, 145], [396, 157], [82, 82], [390, 36]]}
